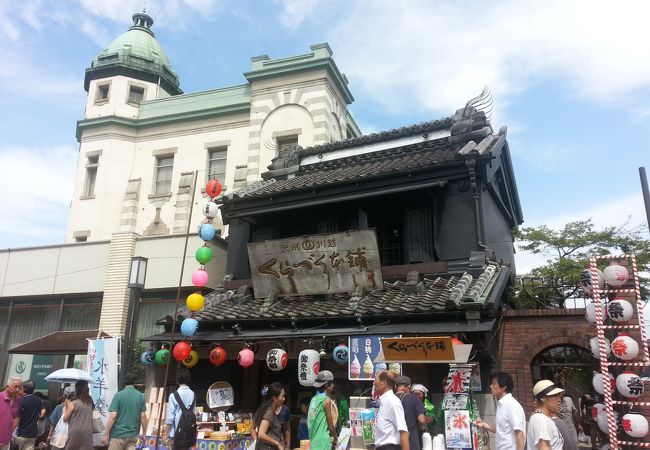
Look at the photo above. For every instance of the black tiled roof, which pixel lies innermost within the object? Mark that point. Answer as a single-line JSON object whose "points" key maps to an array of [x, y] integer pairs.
{"points": [[382, 136], [409, 158], [432, 295]]}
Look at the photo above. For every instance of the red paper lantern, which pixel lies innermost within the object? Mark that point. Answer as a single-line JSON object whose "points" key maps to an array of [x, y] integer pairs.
{"points": [[218, 356], [213, 188], [182, 350], [456, 341]]}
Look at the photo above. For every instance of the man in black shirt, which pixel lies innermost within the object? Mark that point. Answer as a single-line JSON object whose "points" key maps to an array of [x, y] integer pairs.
{"points": [[413, 411], [30, 409]]}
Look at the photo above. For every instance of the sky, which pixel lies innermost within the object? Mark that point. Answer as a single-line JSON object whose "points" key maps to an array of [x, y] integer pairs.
{"points": [[570, 80]]}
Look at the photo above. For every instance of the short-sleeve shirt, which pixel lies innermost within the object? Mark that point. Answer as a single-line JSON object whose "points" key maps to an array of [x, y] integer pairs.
{"points": [[128, 404], [284, 415], [541, 427], [413, 407], [9, 410], [510, 417], [390, 420], [274, 431], [30, 409]]}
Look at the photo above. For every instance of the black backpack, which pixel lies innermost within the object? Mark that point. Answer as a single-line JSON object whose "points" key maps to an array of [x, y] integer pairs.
{"points": [[185, 433]]}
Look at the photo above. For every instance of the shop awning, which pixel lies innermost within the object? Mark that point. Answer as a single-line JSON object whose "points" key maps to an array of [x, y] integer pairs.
{"points": [[59, 343], [442, 327]]}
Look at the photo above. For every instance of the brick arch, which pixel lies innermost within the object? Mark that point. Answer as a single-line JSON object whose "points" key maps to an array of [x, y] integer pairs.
{"points": [[553, 339]]}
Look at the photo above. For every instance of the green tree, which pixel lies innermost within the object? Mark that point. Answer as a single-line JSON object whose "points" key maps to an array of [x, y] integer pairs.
{"points": [[569, 250]]}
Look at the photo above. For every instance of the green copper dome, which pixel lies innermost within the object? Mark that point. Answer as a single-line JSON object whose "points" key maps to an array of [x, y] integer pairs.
{"points": [[137, 54]]}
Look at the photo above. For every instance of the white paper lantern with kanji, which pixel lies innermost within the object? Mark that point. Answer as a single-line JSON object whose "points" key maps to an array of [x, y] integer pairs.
{"points": [[596, 410], [625, 348], [590, 312], [210, 209], [595, 348], [601, 421], [585, 280], [620, 310], [635, 425], [629, 384], [615, 275], [308, 367], [597, 382], [276, 359]]}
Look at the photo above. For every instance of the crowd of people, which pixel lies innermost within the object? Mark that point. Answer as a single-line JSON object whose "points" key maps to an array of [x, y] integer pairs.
{"points": [[404, 414]]}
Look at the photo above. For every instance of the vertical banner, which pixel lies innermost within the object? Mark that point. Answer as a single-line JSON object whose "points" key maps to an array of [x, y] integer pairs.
{"points": [[363, 351], [102, 366], [458, 433]]}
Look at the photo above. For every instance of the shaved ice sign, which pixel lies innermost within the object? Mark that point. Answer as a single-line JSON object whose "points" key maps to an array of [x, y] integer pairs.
{"points": [[363, 351]]}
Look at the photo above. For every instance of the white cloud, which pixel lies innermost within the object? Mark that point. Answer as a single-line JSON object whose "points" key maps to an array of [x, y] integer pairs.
{"points": [[44, 179], [547, 158], [294, 12], [438, 54]]}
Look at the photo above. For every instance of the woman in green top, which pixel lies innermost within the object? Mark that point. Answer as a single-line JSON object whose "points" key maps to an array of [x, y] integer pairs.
{"points": [[320, 423]]}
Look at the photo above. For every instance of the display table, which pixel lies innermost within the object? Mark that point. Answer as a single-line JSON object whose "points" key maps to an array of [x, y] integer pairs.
{"points": [[237, 443]]}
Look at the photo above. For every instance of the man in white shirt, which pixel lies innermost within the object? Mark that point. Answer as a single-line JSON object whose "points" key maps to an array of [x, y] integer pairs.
{"points": [[510, 426], [391, 432]]}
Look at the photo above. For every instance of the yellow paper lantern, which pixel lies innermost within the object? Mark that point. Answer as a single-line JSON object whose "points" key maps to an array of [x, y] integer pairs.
{"points": [[191, 360], [195, 301]]}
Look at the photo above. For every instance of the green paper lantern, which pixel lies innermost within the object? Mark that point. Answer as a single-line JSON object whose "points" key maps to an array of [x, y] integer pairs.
{"points": [[162, 356], [203, 255]]}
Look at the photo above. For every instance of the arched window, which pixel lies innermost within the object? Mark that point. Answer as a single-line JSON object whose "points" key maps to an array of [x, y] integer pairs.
{"points": [[570, 366]]}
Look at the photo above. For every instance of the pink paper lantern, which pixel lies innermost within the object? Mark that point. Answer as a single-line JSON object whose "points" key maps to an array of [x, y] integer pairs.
{"points": [[615, 275], [625, 348], [200, 278], [246, 357], [635, 425], [629, 384]]}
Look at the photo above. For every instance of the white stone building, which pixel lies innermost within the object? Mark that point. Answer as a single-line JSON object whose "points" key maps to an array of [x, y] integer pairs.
{"points": [[142, 140]]}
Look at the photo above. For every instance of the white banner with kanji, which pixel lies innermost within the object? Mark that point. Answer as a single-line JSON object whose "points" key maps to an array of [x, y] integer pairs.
{"points": [[102, 366]]}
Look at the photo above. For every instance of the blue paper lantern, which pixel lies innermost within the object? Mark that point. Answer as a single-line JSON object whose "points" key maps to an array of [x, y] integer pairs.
{"points": [[189, 327], [207, 232], [148, 358], [340, 354]]}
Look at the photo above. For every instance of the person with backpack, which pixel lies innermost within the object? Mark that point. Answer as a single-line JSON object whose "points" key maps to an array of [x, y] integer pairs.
{"points": [[181, 419], [413, 411]]}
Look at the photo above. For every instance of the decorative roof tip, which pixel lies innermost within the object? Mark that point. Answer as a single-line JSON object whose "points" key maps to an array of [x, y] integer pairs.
{"points": [[142, 21]]}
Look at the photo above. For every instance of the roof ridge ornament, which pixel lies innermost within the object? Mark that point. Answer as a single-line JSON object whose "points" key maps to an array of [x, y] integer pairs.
{"points": [[472, 123]]}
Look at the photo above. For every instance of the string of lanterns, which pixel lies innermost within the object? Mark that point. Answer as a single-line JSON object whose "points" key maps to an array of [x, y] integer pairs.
{"points": [[623, 347]]}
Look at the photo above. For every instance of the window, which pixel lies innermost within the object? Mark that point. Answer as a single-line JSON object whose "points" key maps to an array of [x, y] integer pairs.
{"points": [[92, 163], [284, 141], [101, 95], [164, 169], [217, 164], [136, 94]]}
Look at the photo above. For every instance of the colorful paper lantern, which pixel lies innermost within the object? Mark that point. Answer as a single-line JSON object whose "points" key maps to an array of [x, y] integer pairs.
{"points": [[595, 348], [590, 312], [213, 188], [597, 382], [635, 425], [341, 354], [246, 357], [620, 310], [207, 232], [308, 367], [624, 347], [162, 356], [277, 359], [585, 280], [615, 275], [189, 327], [629, 384], [456, 341], [218, 356], [195, 301], [210, 210], [182, 350], [200, 278], [203, 254], [148, 358], [191, 360]]}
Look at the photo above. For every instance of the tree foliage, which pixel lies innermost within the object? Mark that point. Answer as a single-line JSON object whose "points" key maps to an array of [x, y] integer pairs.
{"points": [[569, 250]]}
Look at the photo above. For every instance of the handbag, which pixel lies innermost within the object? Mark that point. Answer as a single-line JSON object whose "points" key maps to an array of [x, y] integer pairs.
{"points": [[98, 423], [60, 434]]}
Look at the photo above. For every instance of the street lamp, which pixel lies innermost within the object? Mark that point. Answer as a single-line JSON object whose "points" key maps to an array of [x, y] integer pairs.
{"points": [[136, 284]]}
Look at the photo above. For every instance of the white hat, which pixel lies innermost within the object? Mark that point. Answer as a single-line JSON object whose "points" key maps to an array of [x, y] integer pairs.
{"points": [[545, 388], [323, 377], [419, 387]]}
